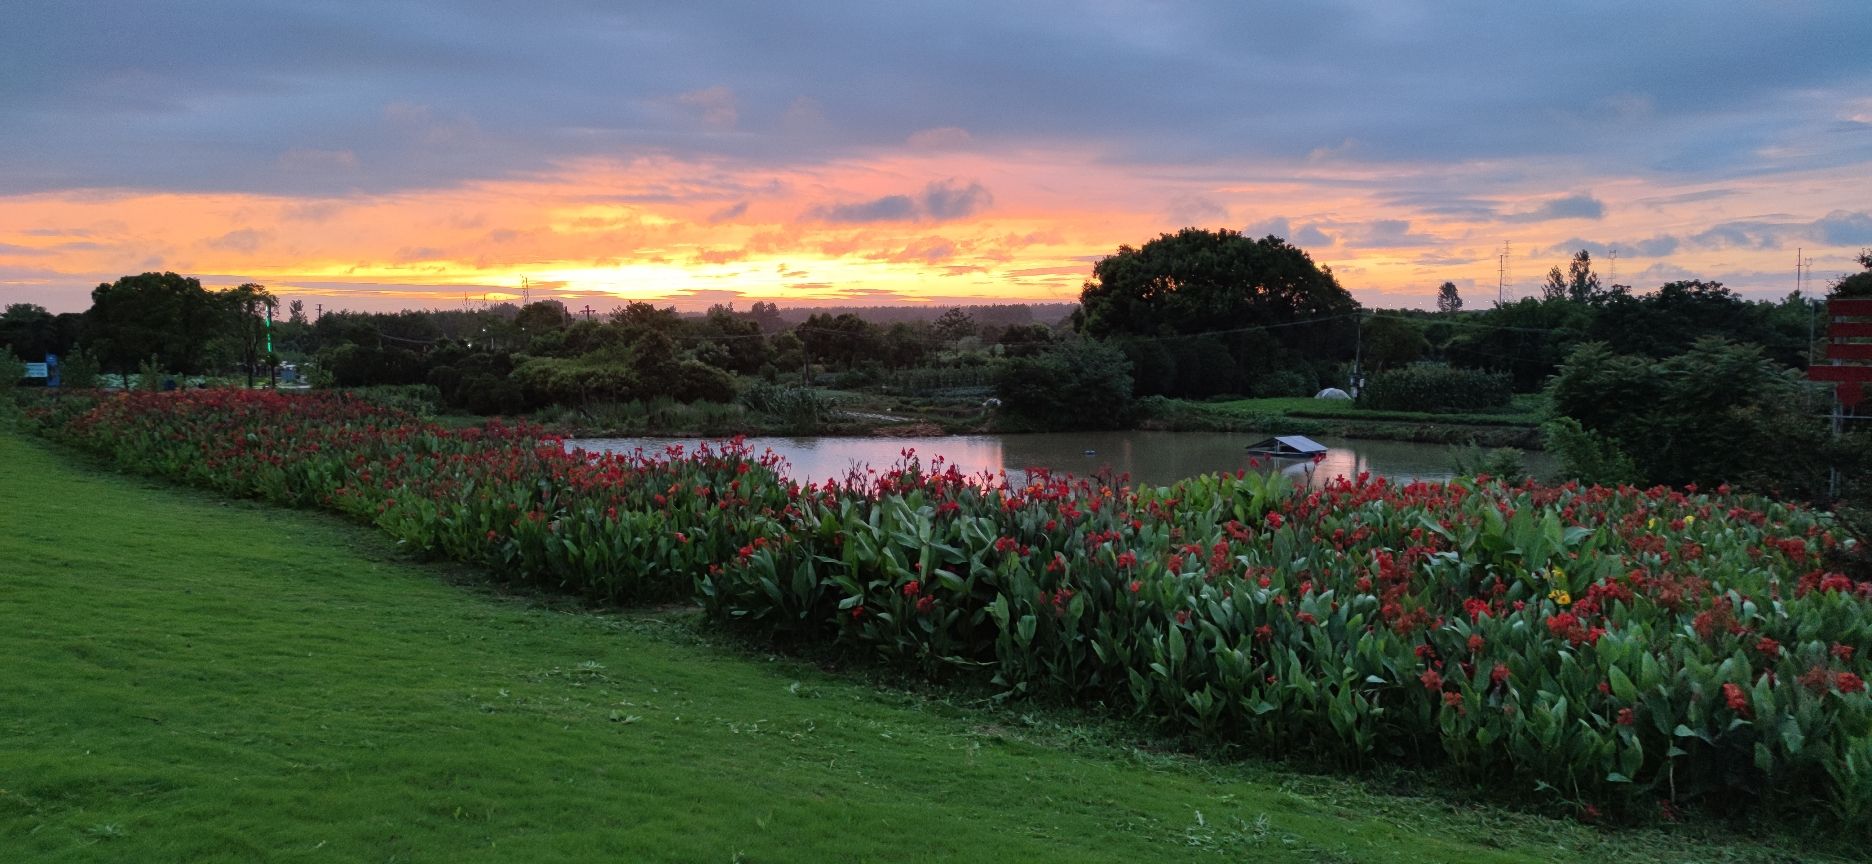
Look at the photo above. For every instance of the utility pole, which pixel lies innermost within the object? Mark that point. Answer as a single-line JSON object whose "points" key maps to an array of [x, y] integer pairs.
{"points": [[1801, 265], [272, 363], [1358, 353]]}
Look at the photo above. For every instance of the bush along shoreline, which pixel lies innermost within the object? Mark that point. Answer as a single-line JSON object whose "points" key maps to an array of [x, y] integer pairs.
{"points": [[1623, 651]]}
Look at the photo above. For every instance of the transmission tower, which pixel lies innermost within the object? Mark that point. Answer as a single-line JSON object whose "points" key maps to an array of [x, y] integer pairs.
{"points": [[1501, 275]]}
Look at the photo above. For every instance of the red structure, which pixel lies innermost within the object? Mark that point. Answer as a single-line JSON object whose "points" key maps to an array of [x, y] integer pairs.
{"points": [[1848, 322]]}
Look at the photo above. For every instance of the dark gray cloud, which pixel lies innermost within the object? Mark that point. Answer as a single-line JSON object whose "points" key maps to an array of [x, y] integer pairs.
{"points": [[1581, 206], [1649, 247], [1385, 233], [890, 208], [938, 202], [1838, 228], [1278, 226], [331, 98], [950, 199]]}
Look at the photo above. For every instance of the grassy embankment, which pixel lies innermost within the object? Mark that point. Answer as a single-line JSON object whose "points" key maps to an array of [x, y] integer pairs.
{"points": [[198, 680], [1516, 427]]}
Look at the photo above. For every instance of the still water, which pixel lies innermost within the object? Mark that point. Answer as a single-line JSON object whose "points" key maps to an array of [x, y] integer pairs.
{"points": [[1148, 457]]}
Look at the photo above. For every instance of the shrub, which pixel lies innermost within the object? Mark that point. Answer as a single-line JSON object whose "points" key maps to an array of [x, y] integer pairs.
{"points": [[1435, 387], [1078, 384], [1502, 463], [1587, 456], [12, 371], [798, 407], [1720, 412], [78, 370], [1286, 382], [697, 382]]}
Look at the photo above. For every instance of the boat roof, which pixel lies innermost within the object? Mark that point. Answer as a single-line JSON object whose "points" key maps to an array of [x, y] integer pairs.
{"points": [[1290, 444]]}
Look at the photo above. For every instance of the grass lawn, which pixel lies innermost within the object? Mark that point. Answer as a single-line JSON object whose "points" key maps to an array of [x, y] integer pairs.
{"points": [[1523, 411], [194, 680]]}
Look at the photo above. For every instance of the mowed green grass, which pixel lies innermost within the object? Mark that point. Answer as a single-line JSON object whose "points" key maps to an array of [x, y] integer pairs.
{"points": [[1524, 411], [193, 680]]}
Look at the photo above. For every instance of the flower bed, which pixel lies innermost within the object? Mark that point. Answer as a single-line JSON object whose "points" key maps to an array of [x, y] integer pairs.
{"points": [[1619, 647]]}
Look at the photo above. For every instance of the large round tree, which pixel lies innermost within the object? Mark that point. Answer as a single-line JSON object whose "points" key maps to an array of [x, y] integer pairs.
{"points": [[1264, 300]]}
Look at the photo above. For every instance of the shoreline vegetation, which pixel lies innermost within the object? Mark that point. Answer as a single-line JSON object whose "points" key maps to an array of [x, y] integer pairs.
{"points": [[280, 684], [856, 414], [1610, 650]]}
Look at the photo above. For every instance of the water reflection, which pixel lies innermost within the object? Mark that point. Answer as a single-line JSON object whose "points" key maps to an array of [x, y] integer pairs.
{"points": [[1148, 457]]}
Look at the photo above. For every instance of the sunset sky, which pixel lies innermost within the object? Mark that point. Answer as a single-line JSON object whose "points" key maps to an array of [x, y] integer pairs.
{"points": [[385, 155]]}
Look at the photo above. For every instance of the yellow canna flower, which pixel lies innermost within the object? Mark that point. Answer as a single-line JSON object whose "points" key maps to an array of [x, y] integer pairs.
{"points": [[1559, 573], [1652, 523], [1560, 596], [1689, 521]]}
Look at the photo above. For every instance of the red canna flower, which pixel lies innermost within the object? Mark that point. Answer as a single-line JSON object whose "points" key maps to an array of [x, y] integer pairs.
{"points": [[1432, 681], [912, 588], [1736, 699], [1626, 717]]}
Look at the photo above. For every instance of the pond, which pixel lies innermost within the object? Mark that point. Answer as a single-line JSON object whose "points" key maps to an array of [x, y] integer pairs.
{"points": [[1148, 457]]}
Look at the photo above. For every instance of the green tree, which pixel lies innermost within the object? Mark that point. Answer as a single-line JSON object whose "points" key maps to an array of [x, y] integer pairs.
{"points": [[29, 331], [249, 308], [1076, 384], [1447, 299], [1857, 284], [743, 345], [1527, 339], [839, 340], [1198, 281], [1579, 284], [1669, 320], [541, 317], [168, 317], [955, 325], [1392, 341]]}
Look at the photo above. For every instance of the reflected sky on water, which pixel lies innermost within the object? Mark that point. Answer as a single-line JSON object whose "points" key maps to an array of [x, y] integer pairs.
{"points": [[1148, 457]]}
